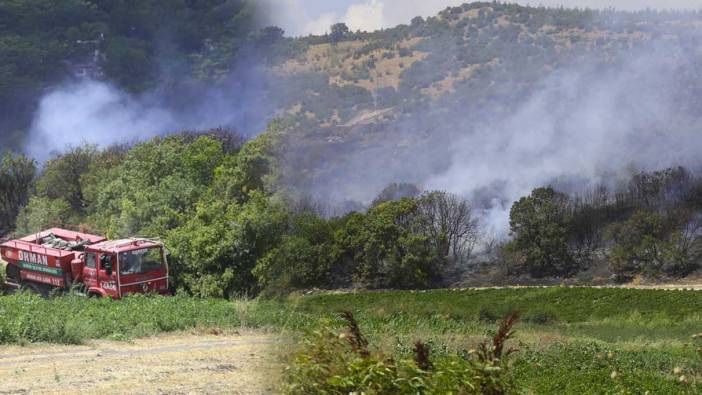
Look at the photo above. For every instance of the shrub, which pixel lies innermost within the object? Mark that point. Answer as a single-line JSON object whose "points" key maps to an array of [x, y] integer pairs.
{"points": [[295, 264], [342, 363], [541, 318], [486, 315], [654, 243], [637, 243]]}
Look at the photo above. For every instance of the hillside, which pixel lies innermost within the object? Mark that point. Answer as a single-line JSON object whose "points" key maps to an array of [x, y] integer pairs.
{"points": [[361, 109]]}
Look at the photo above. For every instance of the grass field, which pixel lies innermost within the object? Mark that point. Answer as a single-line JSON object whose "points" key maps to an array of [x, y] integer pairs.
{"points": [[571, 340]]}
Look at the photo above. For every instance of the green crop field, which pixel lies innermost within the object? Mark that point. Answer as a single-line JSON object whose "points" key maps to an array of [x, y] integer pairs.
{"points": [[570, 340]]}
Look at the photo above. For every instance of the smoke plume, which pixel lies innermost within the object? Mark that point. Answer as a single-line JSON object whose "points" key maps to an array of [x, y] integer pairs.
{"points": [[98, 112], [582, 126]]}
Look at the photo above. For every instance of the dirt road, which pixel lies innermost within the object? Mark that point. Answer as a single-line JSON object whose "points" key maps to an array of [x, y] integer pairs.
{"points": [[174, 364]]}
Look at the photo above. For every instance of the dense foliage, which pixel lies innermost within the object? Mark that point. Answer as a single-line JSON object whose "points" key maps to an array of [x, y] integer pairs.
{"points": [[650, 226], [16, 176], [540, 225], [211, 198], [215, 202]]}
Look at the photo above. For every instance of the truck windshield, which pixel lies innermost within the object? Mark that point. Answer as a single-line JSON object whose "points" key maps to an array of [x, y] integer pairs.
{"points": [[140, 261]]}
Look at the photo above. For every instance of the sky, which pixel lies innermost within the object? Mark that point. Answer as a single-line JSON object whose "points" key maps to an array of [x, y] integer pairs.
{"points": [[302, 17]]}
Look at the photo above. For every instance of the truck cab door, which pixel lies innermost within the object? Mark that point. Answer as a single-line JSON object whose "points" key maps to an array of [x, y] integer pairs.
{"points": [[107, 275], [90, 270]]}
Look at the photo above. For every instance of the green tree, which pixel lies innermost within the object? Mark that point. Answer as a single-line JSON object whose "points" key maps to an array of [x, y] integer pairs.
{"points": [[338, 32], [639, 244], [655, 243], [394, 252], [43, 213], [217, 249], [540, 226], [302, 260], [61, 176], [156, 185], [684, 249], [235, 223], [16, 178]]}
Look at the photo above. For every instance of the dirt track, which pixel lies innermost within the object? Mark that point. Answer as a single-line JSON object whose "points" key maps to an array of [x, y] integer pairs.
{"points": [[173, 364]]}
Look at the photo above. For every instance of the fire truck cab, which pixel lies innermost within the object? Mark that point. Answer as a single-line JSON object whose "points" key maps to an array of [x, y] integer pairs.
{"points": [[120, 267]]}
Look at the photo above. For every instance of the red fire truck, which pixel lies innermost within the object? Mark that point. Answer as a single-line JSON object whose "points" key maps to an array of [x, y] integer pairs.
{"points": [[59, 259]]}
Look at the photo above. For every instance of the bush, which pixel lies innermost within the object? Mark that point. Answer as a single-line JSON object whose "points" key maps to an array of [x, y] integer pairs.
{"points": [[540, 318], [637, 244], [342, 363], [295, 264], [486, 315]]}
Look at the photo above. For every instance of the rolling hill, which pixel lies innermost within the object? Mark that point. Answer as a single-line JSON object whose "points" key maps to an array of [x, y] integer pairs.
{"points": [[403, 103]]}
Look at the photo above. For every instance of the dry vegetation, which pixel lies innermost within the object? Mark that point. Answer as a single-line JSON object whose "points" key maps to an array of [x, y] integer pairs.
{"points": [[340, 62], [193, 362]]}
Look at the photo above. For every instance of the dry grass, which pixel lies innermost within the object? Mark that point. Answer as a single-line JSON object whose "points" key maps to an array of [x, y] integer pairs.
{"points": [[338, 62], [176, 363]]}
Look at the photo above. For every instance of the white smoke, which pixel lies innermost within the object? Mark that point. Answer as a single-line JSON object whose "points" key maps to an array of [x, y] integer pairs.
{"points": [[92, 112], [580, 125]]}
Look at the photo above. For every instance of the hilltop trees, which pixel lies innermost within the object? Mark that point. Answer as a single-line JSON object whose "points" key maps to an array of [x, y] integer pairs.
{"points": [[337, 32]]}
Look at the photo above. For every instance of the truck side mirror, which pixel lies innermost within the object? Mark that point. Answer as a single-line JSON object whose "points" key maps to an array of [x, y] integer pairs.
{"points": [[106, 264]]}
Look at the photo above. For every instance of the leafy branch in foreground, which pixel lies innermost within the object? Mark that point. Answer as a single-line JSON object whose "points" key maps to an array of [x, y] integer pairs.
{"points": [[358, 342]]}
